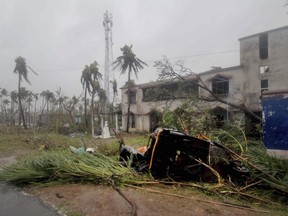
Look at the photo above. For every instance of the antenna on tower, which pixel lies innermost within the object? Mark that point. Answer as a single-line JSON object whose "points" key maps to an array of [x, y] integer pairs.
{"points": [[108, 73]]}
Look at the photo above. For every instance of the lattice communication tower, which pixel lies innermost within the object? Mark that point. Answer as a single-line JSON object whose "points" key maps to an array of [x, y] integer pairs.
{"points": [[108, 73]]}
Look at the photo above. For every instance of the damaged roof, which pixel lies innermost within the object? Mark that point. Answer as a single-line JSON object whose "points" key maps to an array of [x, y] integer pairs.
{"points": [[265, 32]]}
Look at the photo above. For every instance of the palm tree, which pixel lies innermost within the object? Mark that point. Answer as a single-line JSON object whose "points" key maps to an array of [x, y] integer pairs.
{"points": [[86, 81], [5, 102], [48, 97], [128, 61], [89, 78], [14, 98], [21, 69], [35, 97], [115, 91], [24, 95], [4, 93], [29, 103], [96, 75]]}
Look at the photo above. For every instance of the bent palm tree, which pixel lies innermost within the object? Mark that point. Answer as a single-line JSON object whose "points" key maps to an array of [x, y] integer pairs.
{"points": [[89, 78], [21, 69], [96, 88], [128, 61]]}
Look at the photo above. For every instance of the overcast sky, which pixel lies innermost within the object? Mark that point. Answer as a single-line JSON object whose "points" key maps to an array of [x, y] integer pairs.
{"points": [[58, 37]]}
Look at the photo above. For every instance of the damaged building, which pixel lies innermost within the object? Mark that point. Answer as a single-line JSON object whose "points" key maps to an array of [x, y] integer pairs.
{"points": [[263, 67]]}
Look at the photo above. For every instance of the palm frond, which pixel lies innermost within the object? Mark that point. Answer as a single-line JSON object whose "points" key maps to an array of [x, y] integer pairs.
{"points": [[21, 68], [128, 61], [65, 166]]}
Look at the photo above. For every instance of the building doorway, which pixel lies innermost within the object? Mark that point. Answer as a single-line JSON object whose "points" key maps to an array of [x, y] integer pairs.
{"points": [[155, 119], [221, 117]]}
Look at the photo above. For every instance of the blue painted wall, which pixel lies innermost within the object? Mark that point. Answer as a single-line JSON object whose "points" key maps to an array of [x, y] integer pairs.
{"points": [[275, 124]]}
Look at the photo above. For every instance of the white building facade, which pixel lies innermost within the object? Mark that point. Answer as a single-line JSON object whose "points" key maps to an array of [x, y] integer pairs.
{"points": [[263, 67]]}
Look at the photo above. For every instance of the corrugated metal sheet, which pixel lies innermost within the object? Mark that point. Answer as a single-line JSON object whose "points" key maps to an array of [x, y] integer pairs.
{"points": [[275, 120]]}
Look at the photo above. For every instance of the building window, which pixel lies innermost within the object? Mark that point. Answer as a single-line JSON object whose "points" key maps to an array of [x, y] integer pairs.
{"points": [[220, 85], [264, 85], [189, 88], [264, 69], [132, 97], [263, 46], [132, 120]]}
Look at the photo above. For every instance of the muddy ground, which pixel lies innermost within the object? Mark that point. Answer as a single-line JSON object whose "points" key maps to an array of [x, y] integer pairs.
{"points": [[91, 200]]}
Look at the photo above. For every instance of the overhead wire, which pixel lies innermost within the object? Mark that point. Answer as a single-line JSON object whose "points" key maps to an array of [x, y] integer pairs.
{"points": [[153, 60]]}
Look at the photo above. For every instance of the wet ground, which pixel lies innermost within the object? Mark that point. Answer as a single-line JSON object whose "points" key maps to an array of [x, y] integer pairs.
{"points": [[93, 200], [15, 202]]}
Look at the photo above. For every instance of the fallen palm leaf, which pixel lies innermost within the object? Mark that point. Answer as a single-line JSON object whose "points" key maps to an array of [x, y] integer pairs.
{"points": [[65, 166]]}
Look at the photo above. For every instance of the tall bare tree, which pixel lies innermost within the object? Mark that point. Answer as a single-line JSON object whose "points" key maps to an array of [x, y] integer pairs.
{"points": [[179, 72]]}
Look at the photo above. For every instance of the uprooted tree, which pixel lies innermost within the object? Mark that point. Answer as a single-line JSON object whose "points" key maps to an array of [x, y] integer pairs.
{"points": [[178, 72]]}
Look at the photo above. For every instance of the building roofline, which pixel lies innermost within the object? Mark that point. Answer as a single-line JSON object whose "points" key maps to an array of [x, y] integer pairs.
{"points": [[217, 70], [163, 82], [268, 31], [151, 84]]}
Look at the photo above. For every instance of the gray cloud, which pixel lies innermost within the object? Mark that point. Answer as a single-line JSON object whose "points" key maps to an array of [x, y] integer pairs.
{"points": [[58, 37]]}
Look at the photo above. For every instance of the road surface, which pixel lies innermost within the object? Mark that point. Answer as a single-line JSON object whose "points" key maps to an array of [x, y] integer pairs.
{"points": [[14, 202]]}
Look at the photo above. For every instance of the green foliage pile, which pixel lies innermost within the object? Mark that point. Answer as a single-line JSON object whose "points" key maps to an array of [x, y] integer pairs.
{"points": [[232, 137], [271, 170], [64, 166], [189, 117]]}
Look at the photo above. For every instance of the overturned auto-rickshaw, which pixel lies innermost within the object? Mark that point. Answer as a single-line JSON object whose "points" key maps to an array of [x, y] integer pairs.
{"points": [[176, 155]]}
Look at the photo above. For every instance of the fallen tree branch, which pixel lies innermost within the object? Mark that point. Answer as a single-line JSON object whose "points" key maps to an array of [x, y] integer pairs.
{"points": [[247, 195], [272, 178], [199, 200], [134, 207], [250, 185]]}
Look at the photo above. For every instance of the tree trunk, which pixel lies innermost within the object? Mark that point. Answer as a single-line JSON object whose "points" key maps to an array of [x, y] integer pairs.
{"points": [[129, 102], [85, 107], [92, 115], [47, 115], [34, 114], [57, 119], [2, 111], [29, 113], [6, 115], [12, 113], [21, 112]]}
